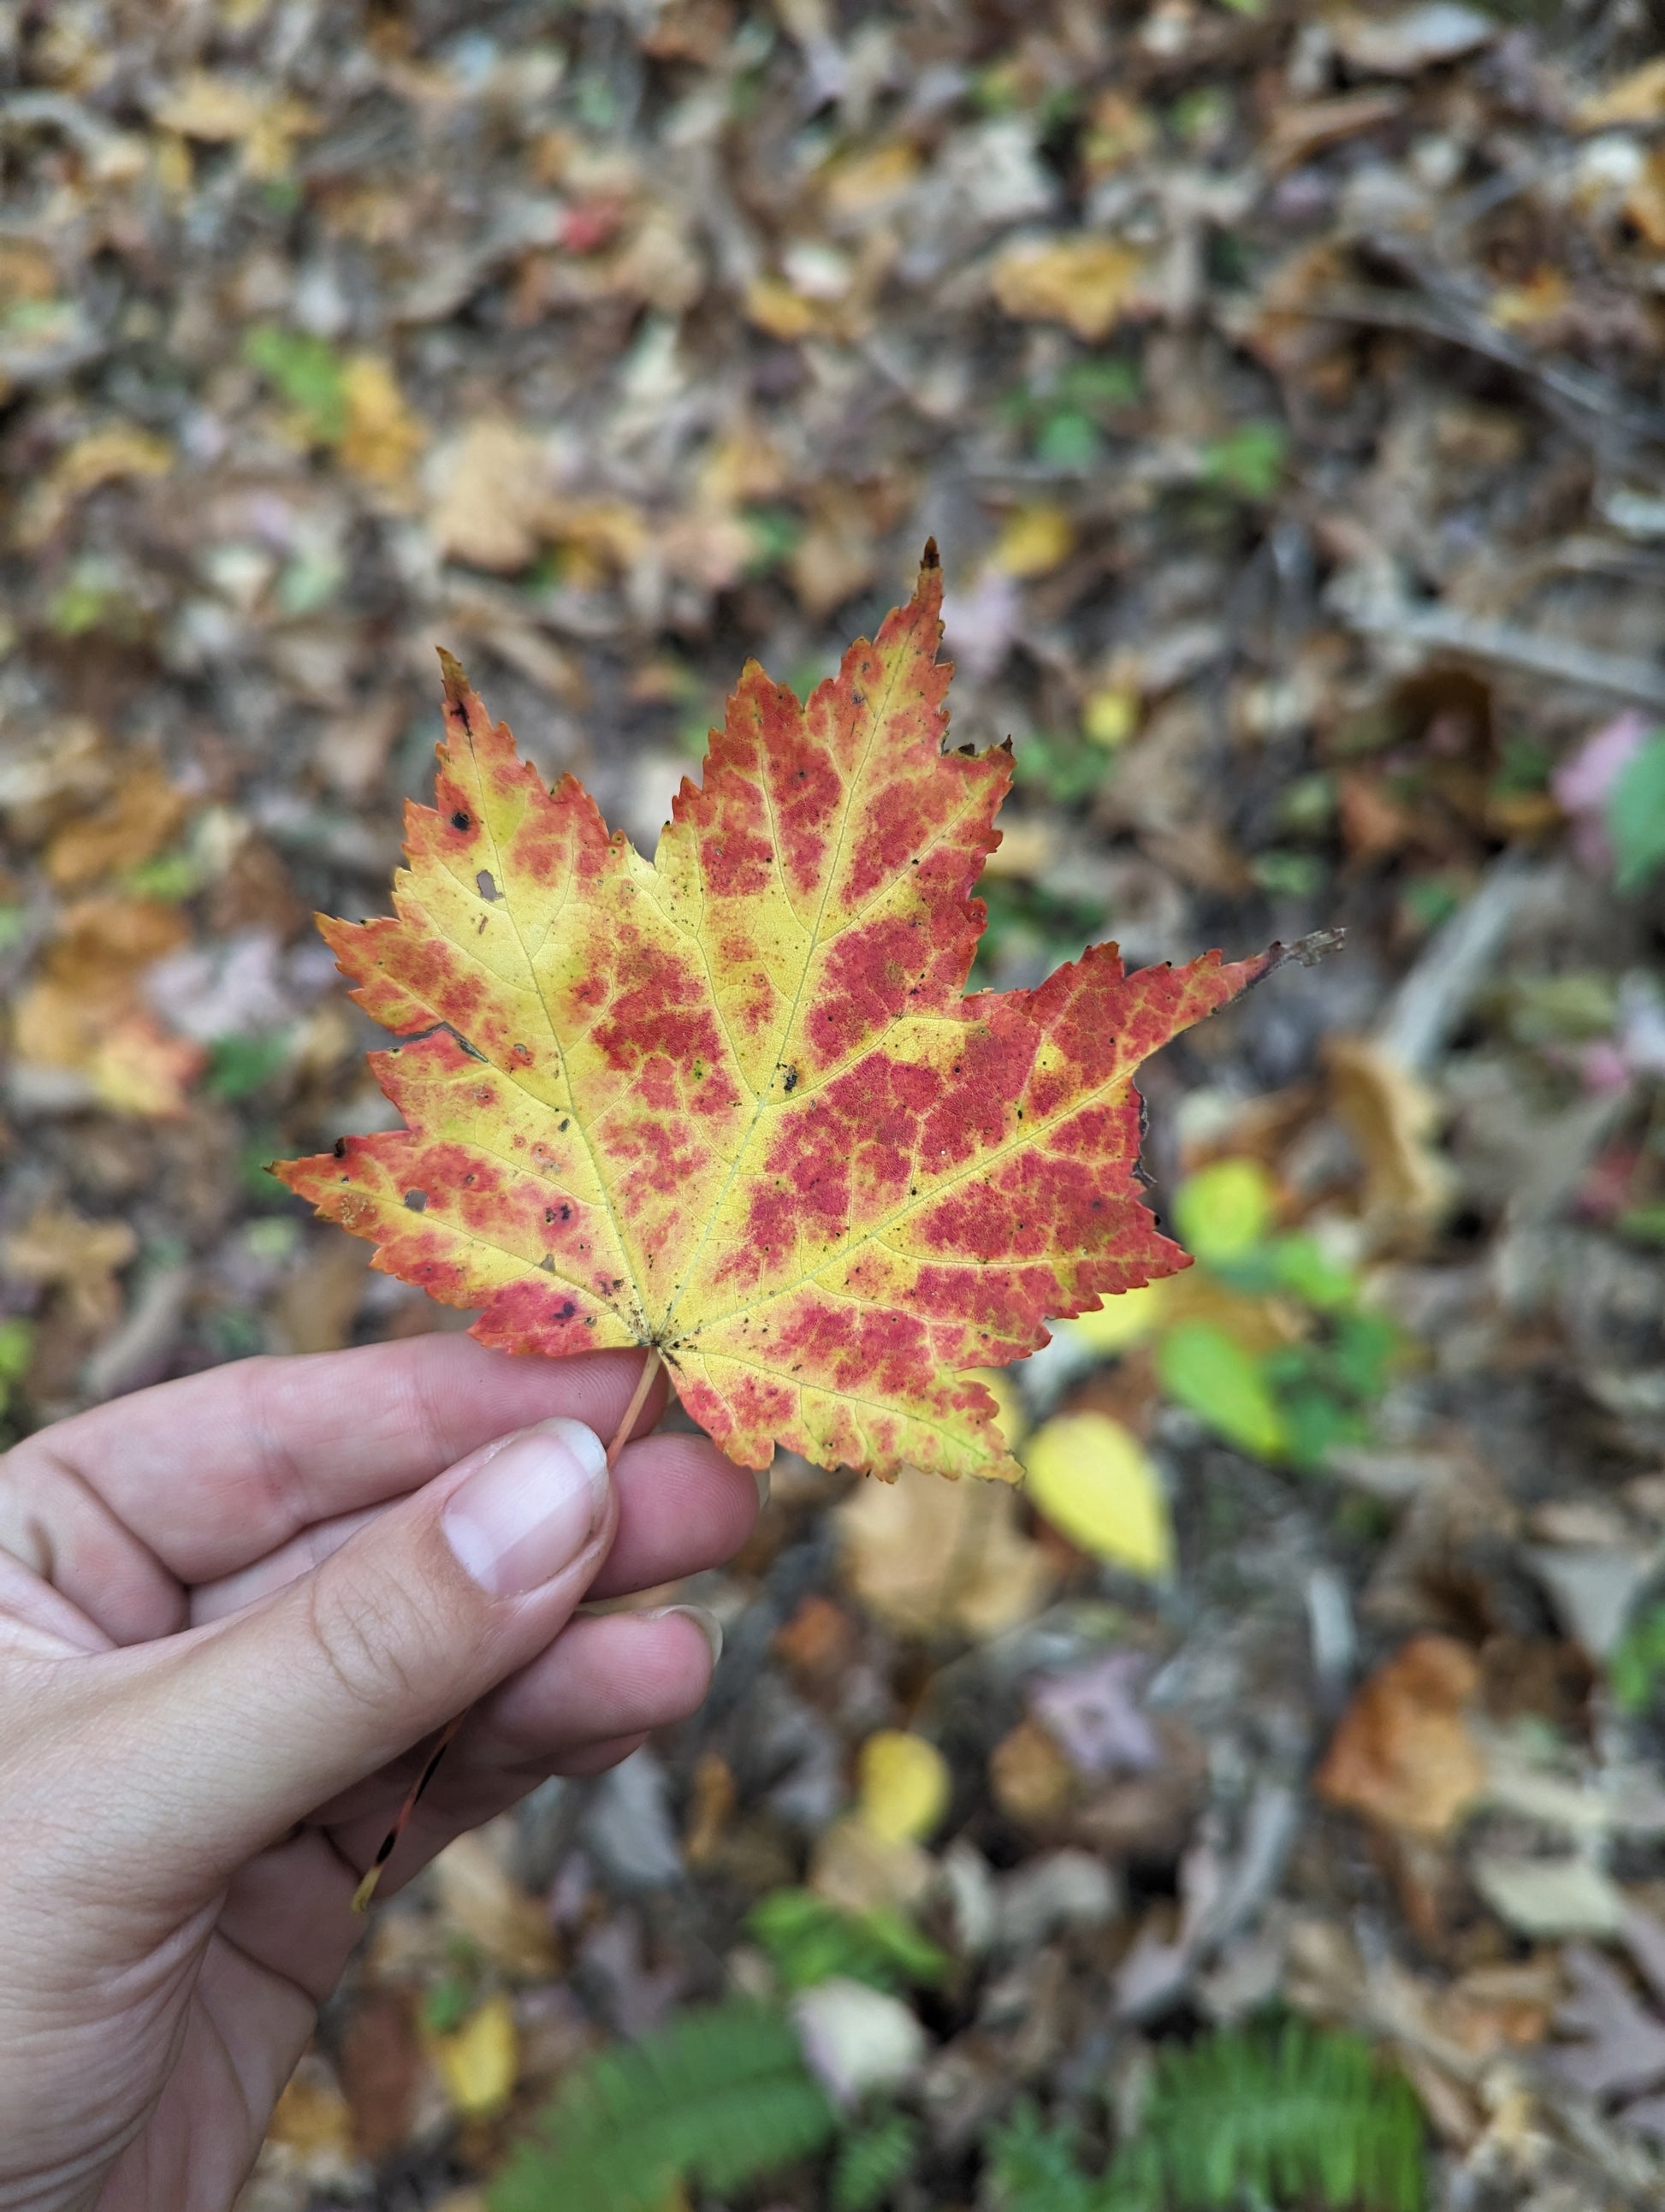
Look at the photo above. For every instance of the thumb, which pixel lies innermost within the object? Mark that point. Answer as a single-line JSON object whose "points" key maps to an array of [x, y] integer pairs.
{"points": [[238, 1731]]}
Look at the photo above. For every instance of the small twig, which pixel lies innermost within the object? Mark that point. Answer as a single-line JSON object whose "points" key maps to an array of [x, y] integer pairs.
{"points": [[366, 1888], [1443, 630]]}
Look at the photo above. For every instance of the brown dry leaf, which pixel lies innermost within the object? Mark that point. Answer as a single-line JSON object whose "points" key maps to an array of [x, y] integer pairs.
{"points": [[216, 110], [491, 496], [319, 1303], [1391, 1117], [382, 2069], [838, 555], [1403, 1753], [108, 456], [598, 538], [780, 311], [930, 1557], [1638, 97], [383, 437], [475, 1893], [1644, 203], [711, 1806], [135, 823], [60, 1249], [863, 1872], [1089, 284], [1303, 130], [862, 185], [1029, 1779]]}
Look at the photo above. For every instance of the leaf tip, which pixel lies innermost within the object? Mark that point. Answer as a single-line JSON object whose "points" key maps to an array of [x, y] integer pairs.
{"points": [[930, 558], [451, 672]]}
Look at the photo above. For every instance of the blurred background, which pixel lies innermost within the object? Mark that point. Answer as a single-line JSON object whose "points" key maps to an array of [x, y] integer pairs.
{"points": [[1263, 1808]]}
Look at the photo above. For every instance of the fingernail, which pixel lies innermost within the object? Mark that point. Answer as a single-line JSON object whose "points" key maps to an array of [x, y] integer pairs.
{"points": [[530, 1510], [707, 1622]]}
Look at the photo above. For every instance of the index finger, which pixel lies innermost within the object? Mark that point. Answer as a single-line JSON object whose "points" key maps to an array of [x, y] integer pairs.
{"points": [[214, 1471]]}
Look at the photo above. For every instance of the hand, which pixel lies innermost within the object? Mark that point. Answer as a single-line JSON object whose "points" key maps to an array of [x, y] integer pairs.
{"points": [[230, 1609]]}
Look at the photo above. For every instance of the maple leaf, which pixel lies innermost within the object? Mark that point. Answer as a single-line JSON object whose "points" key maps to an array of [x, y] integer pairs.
{"points": [[734, 1104]]}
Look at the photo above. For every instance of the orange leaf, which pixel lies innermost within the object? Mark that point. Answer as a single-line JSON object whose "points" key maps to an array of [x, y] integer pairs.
{"points": [[733, 1103], [1403, 1753]]}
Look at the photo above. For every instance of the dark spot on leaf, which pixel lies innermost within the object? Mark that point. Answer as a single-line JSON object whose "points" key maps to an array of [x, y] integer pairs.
{"points": [[417, 1201], [486, 883], [459, 820], [339, 1148]]}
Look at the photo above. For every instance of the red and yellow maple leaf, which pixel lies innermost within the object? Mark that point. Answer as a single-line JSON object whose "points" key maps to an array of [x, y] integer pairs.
{"points": [[734, 1104]]}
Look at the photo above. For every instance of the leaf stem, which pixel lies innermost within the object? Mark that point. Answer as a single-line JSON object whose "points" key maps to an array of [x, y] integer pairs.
{"points": [[366, 1888]]}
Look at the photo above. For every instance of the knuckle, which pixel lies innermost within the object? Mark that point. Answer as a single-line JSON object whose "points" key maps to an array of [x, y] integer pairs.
{"points": [[378, 1640]]}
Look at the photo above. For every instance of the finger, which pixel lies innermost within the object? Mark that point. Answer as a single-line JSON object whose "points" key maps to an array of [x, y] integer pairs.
{"points": [[682, 1507], [607, 1676], [211, 1472], [219, 1739]]}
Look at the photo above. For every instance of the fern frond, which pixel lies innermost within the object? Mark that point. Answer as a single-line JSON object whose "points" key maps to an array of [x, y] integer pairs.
{"points": [[1033, 2168], [1297, 2113], [872, 2161], [811, 1941], [715, 2098]]}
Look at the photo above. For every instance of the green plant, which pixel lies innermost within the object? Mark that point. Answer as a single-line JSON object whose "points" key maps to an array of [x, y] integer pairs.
{"points": [[871, 2161], [1027, 922], [717, 2097], [17, 1350], [1247, 462], [1241, 2118], [1637, 1664], [307, 372], [1636, 814], [1065, 417], [810, 1940], [1292, 1400]]}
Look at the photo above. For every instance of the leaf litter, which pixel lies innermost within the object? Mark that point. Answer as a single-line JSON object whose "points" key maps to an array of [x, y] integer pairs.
{"points": [[1282, 390]]}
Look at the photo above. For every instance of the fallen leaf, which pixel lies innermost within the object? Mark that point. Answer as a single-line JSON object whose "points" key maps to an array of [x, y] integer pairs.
{"points": [[857, 2041], [1092, 1714], [1033, 541], [383, 437], [1391, 1116], [1095, 1483], [477, 1894], [116, 453], [480, 2061], [1029, 1777], [134, 822], [903, 1785], [1545, 1897], [1621, 2046], [733, 1104], [1403, 1753], [1406, 40], [862, 1872], [928, 1556], [1090, 284], [1637, 97], [491, 495], [59, 1249]]}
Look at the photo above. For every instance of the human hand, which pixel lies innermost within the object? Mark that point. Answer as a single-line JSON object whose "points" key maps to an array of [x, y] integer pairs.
{"points": [[230, 1607]]}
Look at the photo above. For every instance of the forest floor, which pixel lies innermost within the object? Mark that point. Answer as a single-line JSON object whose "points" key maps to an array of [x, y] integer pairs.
{"points": [[1283, 388]]}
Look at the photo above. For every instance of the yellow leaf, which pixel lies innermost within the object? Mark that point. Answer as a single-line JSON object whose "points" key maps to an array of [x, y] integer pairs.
{"points": [[1095, 1483], [904, 1785], [1087, 283], [1125, 1319], [383, 437], [1110, 716], [779, 311], [1035, 541], [1225, 1210], [479, 2061]]}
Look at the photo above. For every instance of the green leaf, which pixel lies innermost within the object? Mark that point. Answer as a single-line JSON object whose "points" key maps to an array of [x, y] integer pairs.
{"points": [[1249, 460], [1636, 814], [716, 2098], [872, 2161], [308, 373], [1301, 1266], [811, 1941], [1223, 1213], [1209, 1371]]}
